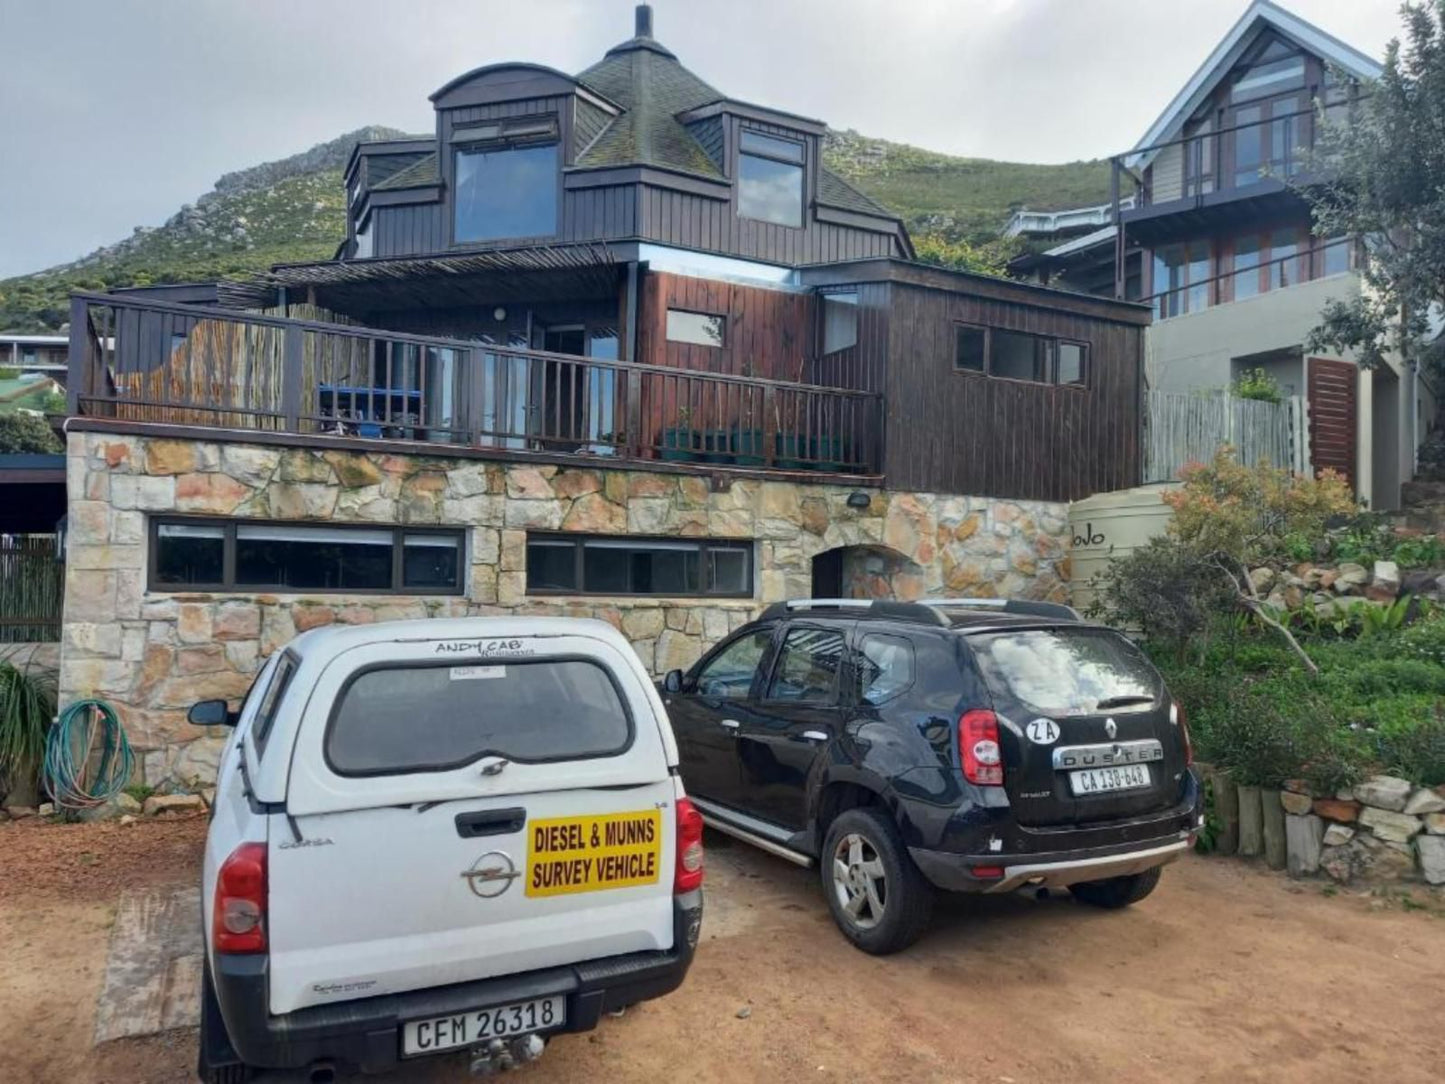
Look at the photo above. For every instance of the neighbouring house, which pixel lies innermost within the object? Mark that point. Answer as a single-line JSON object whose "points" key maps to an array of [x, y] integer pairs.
{"points": [[606, 344], [1215, 235]]}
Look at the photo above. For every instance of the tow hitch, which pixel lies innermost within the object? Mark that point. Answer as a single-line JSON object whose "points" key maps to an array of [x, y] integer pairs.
{"points": [[498, 1054]]}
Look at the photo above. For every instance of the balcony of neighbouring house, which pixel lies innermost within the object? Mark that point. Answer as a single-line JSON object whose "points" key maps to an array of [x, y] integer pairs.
{"points": [[143, 363], [1246, 165]]}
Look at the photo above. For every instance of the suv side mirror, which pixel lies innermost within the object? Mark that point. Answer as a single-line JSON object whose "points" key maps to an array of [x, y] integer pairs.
{"points": [[212, 713], [673, 681]]}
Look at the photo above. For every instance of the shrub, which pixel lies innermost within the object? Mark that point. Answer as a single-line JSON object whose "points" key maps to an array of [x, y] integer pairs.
{"points": [[1167, 591], [1247, 512], [1257, 384], [27, 433], [1413, 748]]}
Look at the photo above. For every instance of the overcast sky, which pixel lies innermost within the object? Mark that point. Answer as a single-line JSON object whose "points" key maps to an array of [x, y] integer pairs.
{"points": [[115, 112]]}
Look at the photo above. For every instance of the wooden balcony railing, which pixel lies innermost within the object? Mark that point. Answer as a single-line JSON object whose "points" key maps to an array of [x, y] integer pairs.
{"points": [[156, 362]]}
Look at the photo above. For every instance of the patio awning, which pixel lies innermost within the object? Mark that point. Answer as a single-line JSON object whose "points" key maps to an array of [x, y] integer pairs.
{"points": [[535, 273]]}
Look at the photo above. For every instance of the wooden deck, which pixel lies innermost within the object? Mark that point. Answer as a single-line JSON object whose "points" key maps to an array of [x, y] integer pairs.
{"points": [[159, 364]]}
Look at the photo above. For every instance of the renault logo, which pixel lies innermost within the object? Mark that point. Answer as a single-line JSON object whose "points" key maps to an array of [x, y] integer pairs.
{"points": [[1111, 728], [491, 875]]}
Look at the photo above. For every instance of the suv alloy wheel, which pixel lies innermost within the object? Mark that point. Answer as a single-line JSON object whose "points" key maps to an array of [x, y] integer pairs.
{"points": [[878, 898]]}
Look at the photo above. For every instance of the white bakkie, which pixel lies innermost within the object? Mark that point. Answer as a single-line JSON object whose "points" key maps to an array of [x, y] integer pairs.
{"points": [[441, 835]]}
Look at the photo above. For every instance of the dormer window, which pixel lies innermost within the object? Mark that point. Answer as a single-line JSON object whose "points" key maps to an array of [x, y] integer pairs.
{"points": [[770, 178], [506, 180]]}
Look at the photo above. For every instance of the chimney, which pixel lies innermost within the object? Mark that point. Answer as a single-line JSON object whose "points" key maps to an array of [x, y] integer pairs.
{"points": [[644, 21]]}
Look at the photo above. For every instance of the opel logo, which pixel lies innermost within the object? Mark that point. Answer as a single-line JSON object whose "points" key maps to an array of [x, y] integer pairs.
{"points": [[491, 875], [1111, 728]]}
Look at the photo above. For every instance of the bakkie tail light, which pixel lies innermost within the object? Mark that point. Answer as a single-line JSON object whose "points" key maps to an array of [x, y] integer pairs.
{"points": [[238, 918], [688, 875], [978, 748]]}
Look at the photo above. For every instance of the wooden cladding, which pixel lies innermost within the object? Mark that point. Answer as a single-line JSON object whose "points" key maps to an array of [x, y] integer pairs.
{"points": [[769, 333], [962, 432], [1333, 410]]}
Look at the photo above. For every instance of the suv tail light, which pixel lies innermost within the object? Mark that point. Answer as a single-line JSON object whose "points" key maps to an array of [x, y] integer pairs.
{"points": [[1176, 715], [689, 848], [238, 921], [978, 748]]}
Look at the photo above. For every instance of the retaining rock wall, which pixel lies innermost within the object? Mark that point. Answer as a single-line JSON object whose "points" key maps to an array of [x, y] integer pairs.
{"points": [[152, 654]]}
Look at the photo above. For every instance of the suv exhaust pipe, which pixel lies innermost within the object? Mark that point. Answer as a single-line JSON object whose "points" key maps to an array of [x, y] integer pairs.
{"points": [[501, 1054]]}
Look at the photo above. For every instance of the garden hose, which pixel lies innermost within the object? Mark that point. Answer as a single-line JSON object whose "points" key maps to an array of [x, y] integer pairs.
{"points": [[74, 775]]}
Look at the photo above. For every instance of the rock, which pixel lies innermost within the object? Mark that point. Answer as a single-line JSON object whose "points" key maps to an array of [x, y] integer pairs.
{"points": [[744, 1013], [1384, 792], [1251, 834], [157, 804], [1390, 827], [1353, 575], [1296, 804], [1340, 863], [1435, 824], [1337, 809], [47, 809], [1326, 578], [125, 803], [127, 821], [1432, 858], [1336, 835], [1304, 837], [1424, 801], [1387, 577], [1276, 853], [1261, 579]]}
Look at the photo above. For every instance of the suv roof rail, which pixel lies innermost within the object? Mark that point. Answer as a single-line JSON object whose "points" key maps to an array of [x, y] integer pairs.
{"points": [[907, 611], [1026, 606]]}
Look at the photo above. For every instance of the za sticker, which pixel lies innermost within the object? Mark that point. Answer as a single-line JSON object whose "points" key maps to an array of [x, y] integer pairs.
{"points": [[1042, 732]]}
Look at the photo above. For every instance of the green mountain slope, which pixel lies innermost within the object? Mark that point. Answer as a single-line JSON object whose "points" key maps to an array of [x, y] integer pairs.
{"points": [[966, 199], [293, 210]]}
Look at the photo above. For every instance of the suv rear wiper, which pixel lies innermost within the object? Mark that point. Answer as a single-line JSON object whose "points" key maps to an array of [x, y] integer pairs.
{"points": [[1121, 701]]}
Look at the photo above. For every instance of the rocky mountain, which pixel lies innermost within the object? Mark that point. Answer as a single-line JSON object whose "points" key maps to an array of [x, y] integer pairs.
{"points": [[293, 210]]}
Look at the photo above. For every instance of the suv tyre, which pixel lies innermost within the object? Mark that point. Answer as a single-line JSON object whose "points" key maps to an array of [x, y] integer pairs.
{"points": [[878, 898], [1117, 892]]}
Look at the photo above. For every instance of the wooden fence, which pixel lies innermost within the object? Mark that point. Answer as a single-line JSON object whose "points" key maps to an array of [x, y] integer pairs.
{"points": [[1180, 429], [32, 589]]}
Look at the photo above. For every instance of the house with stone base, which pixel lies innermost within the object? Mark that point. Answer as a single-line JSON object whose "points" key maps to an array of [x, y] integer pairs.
{"points": [[609, 344]]}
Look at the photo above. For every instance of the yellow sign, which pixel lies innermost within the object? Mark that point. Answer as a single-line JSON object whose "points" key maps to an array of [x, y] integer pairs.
{"points": [[585, 854]]}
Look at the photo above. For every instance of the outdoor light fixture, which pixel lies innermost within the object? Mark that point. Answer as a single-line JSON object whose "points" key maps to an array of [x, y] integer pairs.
{"points": [[499, 314], [859, 499]]}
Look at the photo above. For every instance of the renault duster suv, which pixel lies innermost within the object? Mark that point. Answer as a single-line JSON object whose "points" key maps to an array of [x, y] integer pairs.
{"points": [[441, 835], [967, 745]]}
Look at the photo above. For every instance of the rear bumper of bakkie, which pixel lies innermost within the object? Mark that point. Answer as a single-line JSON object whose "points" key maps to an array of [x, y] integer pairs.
{"points": [[365, 1034]]}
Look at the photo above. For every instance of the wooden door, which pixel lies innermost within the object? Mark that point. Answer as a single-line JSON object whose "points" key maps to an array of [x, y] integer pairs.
{"points": [[1333, 415]]}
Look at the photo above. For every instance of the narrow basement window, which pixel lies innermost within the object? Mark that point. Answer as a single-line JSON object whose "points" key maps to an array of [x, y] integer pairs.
{"points": [[196, 554]]}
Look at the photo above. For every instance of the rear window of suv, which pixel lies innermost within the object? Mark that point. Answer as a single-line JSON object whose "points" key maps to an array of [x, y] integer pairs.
{"points": [[1067, 671], [392, 720]]}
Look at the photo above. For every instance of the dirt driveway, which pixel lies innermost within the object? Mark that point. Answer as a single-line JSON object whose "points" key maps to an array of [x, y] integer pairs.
{"points": [[1226, 973]]}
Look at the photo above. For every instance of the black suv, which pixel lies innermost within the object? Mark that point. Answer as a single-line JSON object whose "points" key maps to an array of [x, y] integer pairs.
{"points": [[971, 745]]}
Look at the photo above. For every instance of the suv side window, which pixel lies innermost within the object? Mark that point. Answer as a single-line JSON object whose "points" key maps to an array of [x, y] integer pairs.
{"points": [[807, 668], [270, 701], [884, 667], [729, 674]]}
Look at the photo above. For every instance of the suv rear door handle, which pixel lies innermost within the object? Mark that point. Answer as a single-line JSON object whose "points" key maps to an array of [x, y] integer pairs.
{"points": [[490, 822], [731, 724]]}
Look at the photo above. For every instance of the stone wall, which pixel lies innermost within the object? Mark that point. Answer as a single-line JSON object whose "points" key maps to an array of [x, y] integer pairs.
{"points": [[1383, 830], [152, 654]]}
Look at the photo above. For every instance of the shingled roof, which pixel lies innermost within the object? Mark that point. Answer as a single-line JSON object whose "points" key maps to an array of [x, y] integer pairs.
{"points": [[652, 87]]}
